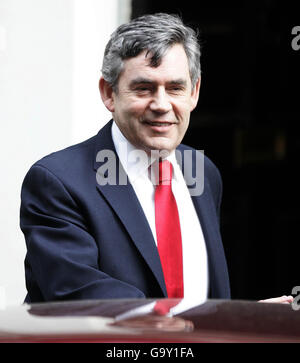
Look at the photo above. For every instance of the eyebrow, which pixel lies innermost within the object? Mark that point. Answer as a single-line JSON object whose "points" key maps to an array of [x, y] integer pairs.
{"points": [[141, 80]]}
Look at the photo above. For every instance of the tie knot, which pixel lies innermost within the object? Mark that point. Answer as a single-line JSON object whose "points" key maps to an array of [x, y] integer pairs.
{"points": [[165, 172]]}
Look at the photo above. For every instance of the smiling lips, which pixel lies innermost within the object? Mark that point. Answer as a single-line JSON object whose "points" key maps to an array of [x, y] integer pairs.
{"points": [[159, 126]]}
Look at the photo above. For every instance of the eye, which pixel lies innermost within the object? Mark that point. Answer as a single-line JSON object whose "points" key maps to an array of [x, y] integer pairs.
{"points": [[143, 89], [176, 89]]}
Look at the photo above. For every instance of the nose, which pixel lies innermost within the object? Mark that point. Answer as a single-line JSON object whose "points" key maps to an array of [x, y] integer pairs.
{"points": [[160, 102]]}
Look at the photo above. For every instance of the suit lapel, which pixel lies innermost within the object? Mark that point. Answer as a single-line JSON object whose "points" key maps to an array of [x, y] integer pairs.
{"points": [[205, 210], [124, 202]]}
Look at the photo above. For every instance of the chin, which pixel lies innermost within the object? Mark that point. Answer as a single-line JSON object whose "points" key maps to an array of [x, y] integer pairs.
{"points": [[163, 150], [162, 145]]}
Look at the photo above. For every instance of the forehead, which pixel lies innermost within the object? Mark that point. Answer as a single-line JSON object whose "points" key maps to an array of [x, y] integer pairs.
{"points": [[174, 65]]}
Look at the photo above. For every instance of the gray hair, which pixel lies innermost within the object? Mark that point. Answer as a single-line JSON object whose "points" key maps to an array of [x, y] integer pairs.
{"points": [[155, 34]]}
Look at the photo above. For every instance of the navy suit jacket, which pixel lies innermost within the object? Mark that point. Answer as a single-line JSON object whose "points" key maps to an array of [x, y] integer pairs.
{"points": [[87, 241]]}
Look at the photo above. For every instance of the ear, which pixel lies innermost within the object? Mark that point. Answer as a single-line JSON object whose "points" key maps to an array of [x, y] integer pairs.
{"points": [[106, 92], [195, 94]]}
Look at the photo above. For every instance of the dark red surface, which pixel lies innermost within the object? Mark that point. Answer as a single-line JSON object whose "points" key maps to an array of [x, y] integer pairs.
{"points": [[213, 321]]}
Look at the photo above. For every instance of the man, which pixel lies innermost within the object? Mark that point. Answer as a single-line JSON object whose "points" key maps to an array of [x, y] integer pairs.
{"points": [[87, 239]]}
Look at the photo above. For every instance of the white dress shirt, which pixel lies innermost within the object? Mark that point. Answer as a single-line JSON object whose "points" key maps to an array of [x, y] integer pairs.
{"points": [[195, 263]]}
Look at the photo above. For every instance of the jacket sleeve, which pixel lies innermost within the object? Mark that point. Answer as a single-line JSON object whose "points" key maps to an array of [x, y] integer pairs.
{"points": [[62, 256]]}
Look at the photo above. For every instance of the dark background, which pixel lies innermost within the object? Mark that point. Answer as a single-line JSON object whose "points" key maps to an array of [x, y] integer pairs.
{"points": [[247, 123]]}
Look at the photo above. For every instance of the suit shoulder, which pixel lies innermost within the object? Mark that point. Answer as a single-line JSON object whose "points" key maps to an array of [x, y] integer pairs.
{"points": [[68, 158]]}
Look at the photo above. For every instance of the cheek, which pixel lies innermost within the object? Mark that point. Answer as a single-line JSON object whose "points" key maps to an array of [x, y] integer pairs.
{"points": [[182, 110], [127, 113], [137, 108]]}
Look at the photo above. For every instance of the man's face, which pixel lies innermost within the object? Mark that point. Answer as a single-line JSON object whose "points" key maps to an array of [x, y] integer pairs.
{"points": [[152, 106]]}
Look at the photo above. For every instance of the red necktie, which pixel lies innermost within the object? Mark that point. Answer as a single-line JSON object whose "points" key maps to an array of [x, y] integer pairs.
{"points": [[168, 232]]}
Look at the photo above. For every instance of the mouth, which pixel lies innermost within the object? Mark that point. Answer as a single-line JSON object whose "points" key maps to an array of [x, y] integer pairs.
{"points": [[159, 126]]}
